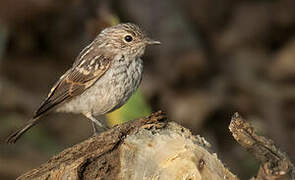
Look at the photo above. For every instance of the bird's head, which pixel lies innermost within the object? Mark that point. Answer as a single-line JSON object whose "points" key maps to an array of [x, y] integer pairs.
{"points": [[127, 38]]}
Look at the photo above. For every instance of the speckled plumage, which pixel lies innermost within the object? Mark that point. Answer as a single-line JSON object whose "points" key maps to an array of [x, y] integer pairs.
{"points": [[112, 90], [103, 77]]}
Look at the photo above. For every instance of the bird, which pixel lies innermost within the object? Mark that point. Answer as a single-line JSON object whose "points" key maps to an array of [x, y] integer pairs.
{"points": [[102, 78]]}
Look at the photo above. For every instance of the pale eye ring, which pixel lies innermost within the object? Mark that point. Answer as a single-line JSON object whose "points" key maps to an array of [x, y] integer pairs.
{"points": [[128, 38]]}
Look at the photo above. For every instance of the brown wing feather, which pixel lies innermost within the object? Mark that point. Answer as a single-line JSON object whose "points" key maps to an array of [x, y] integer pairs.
{"points": [[75, 81]]}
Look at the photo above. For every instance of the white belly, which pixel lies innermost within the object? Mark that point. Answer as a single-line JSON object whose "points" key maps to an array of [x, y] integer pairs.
{"points": [[109, 92]]}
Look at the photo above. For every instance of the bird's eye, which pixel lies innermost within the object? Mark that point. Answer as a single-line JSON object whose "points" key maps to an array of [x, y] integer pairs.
{"points": [[128, 38]]}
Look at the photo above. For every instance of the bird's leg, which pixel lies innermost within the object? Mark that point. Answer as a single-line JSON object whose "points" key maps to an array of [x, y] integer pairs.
{"points": [[95, 130], [94, 123]]}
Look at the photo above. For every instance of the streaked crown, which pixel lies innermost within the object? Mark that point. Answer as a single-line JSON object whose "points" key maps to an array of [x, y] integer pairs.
{"points": [[126, 37]]}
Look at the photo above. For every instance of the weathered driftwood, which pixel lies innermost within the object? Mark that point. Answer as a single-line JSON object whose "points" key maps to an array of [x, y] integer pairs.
{"points": [[274, 163], [146, 148]]}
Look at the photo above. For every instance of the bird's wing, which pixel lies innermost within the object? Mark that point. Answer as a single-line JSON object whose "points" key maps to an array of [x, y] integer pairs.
{"points": [[76, 80]]}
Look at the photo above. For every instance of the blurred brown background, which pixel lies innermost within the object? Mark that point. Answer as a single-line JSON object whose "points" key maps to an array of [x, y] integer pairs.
{"points": [[216, 58]]}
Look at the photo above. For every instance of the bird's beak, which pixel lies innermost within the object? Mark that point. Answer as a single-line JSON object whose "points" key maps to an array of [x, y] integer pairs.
{"points": [[152, 42]]}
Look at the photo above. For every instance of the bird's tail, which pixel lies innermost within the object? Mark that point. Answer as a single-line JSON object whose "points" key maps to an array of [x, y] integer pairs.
{"points": [[16, 135]]}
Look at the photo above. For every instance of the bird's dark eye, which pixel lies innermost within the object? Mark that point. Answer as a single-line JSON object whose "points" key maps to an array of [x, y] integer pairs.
{"points": [[128, 38]]}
